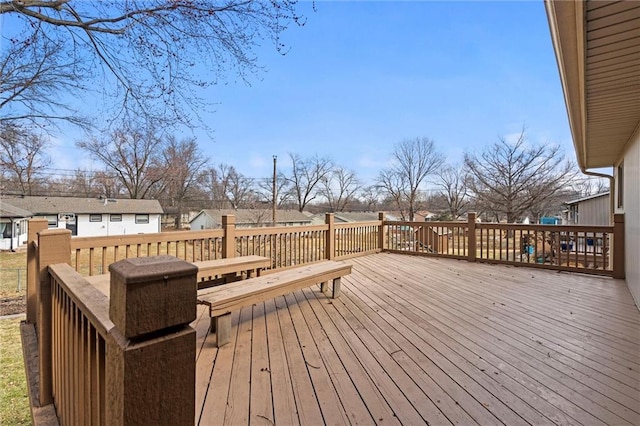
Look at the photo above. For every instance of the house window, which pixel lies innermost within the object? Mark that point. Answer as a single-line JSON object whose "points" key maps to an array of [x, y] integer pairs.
{"points": [[52, 221], [5, 229], [620, 184], [95, 218], [116, 218], [142, 218]]}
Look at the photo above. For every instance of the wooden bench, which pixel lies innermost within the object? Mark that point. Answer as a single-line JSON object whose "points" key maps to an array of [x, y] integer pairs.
{"points": [[208, 269], [222, 300]]}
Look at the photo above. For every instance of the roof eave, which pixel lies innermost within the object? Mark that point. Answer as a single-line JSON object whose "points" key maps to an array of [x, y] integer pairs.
{"points": [[566, 24]]}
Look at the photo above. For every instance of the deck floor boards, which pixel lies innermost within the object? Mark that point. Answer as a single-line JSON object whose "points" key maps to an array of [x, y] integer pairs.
{"points": [[416, 340]]}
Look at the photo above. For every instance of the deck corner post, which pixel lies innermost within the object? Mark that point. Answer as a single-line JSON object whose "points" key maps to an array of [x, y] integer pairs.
{"points": [[151, 350], [381, 238], [618, 246], [472, 249], [229, 236], [54, 247], [35, 225], [330, 245]]}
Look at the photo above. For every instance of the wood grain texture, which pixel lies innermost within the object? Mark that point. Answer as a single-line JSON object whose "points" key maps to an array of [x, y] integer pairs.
{"points": [[414, 340]]}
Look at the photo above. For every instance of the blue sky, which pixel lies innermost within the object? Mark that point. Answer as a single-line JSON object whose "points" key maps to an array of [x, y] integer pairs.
{"points": [[360, 76]]}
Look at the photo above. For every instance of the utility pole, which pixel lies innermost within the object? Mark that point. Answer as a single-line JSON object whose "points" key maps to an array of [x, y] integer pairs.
{"points": [[275, 193]]}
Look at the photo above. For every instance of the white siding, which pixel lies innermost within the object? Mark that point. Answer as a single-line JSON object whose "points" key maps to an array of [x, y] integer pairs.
{"points": [[127, 226], [20, 229], [202, 221], [631, 210]]}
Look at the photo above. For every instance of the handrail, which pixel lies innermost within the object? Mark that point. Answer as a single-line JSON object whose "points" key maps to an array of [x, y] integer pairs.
{"points": [[91, 301], [574, 248], [80, 327], [296, 245], [139, 239]]}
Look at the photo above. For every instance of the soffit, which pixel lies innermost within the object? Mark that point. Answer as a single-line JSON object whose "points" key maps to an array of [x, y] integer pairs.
{"points": [[597, 44]]}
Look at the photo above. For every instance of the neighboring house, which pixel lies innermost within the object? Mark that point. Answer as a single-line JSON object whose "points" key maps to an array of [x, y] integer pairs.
{"points": [[350, 217], [248, 218], [13, 226], [600, 75], [93, 217], [591, 210]]}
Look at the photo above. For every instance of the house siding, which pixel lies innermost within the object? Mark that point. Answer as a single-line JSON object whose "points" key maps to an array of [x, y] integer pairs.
{"points": [[128, 225], [594, 212], [631, 210], [18, 228]]}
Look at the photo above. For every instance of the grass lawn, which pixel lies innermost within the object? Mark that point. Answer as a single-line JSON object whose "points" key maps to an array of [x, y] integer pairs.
{"points": [[9, 265], [14, 400]]}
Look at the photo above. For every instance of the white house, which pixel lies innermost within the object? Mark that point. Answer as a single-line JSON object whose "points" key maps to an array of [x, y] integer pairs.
{"points": [[90, 217], [597, 50], [248, 218], [13, 226]]}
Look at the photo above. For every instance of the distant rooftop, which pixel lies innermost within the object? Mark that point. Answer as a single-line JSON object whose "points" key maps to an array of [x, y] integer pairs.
{"points": [[55, 205]]}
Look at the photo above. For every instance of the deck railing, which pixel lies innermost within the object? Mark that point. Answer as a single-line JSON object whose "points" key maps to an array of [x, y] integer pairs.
{"points": [[80, 327], [91, 366], [587, 249], [286, 246], [106, 359]]}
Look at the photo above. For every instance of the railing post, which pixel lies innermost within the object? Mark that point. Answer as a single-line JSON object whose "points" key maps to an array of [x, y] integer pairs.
{"points": [[54, 246], [229, 236], [151, 352], [618, 246], [471, 240], [381, 238], [330, 245], [35, 226]]}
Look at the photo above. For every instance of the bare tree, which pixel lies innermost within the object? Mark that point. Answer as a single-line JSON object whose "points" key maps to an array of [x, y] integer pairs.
{"points": [[452, 184], [283, 190], [184, 165], [413, 161], [511, 179], [229, 188], [370, 196], [132, 156], [339, 188], [306, 174], [23, 158], [390, 183], [239, 188], [146, 57], [215, 187], [589, 185], [109, 185]]}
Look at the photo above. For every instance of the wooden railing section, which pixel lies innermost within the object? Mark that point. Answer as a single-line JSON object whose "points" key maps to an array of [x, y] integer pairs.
{"points": [[80, 328], [587, 249], [93, 255], [105, 359], [286, 246]]}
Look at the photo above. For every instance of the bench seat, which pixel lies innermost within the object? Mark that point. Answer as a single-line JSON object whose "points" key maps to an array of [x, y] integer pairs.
{"points": [[222, 300], [207, 269]]}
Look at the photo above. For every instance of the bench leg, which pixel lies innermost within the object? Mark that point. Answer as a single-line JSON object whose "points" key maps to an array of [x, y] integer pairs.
{"points": [[222, 329], [324, 286], [336, 288]]}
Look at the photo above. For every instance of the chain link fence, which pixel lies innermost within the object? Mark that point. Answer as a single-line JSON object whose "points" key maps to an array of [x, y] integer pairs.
{"points": [[13, 281]]}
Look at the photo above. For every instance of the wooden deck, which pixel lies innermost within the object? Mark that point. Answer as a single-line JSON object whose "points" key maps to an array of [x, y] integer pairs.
{"points": [[416, 340]]}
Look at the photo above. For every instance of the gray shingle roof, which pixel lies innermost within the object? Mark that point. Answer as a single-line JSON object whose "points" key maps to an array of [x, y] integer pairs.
{"points": [[258, 216], [8, 210], [55, 205], [356, 216]]}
